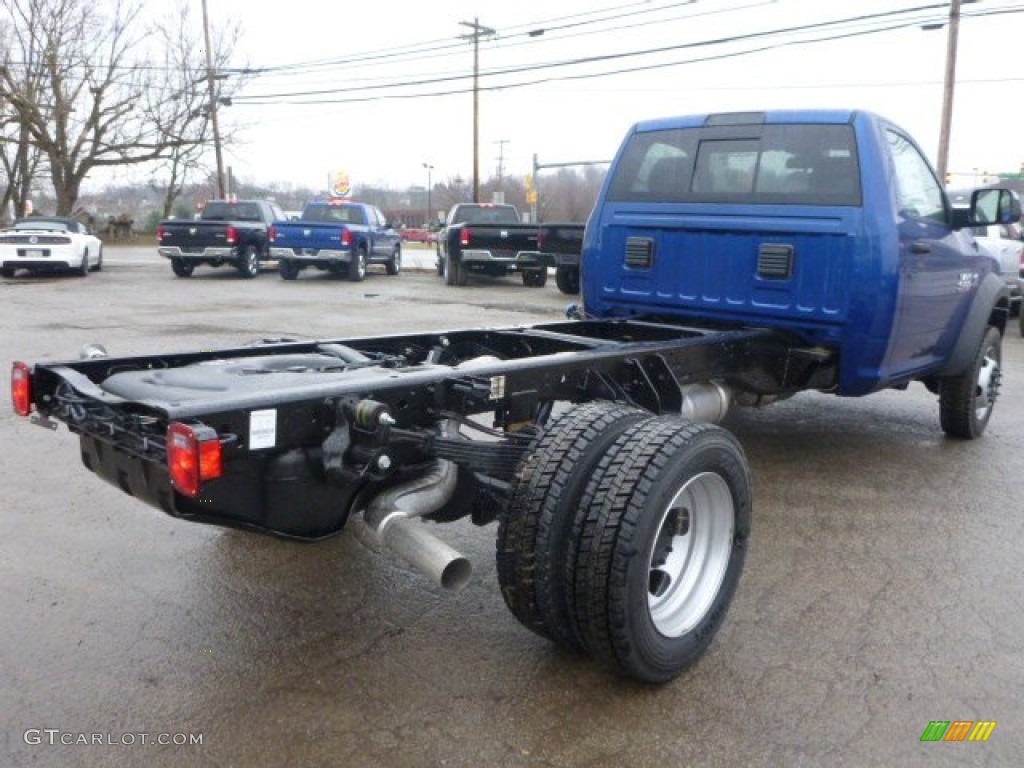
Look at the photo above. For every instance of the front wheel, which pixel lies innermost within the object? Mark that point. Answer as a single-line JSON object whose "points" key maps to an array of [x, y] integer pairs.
{"points": [[662, 530], [394, 265], [249, 262], [966, 401], [98, 266], [83, 268]]}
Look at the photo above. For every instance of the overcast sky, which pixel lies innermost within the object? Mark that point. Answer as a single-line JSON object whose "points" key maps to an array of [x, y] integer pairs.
{"points": [[387, 87]]}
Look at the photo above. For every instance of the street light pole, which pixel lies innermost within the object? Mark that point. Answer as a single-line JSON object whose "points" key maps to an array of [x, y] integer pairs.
{"points": [[429, 168], [213, 105]]}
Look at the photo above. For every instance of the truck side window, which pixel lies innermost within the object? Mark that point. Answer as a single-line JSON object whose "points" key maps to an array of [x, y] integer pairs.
{"points": [[917, 189]]}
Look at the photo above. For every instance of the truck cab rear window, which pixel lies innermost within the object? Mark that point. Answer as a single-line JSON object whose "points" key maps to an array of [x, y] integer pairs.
{"points": [[781, 164]]}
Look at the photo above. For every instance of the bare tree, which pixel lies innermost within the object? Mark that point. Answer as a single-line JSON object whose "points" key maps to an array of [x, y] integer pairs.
{"points": [[75, 83], [185, 83], [18, 157]]}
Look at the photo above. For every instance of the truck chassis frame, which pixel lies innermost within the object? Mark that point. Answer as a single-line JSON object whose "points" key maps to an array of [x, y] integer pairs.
{"points": [[597, 436]]}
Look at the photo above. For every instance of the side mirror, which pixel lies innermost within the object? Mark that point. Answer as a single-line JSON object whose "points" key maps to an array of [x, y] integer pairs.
{"points": [[994, 206]]}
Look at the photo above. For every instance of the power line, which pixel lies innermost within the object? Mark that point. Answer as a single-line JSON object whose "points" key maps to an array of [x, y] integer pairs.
{"points": [[301, 97]]}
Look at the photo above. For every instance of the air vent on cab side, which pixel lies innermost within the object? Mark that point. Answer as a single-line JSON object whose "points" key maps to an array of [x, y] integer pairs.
{"points": [[639, 252], [775, 261]]}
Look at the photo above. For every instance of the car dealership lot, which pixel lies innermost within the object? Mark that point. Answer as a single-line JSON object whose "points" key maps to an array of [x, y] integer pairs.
{"points": [[883, 588]]}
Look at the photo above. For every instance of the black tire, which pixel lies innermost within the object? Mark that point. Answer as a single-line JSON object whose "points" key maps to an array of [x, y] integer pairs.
{"points": [[454, 272], [182, 268], [1020, 321], [439, 263], [394, 265], [535, 278], [7, 272], [357, 267], [966, 401], [288, 269], [98, 266], [249, 262], [568, 279], [533, 531], [664, 486], [83, 268]]}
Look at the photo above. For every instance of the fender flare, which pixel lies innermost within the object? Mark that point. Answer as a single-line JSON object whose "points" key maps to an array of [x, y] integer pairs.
{"points": [[986, 299]]}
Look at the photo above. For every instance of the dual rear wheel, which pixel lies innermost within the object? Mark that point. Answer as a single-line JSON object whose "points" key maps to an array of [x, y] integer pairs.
{"points": [[625, 537]]}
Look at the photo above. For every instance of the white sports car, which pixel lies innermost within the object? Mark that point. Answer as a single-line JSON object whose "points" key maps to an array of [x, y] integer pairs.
{"points": [[49, 243]]}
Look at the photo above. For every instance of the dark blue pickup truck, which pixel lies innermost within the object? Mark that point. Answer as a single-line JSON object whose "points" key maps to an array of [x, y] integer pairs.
{"points": [[731, 260], [338, 236]]}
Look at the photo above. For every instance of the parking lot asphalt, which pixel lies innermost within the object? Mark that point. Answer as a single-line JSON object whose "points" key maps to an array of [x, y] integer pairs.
{"points": [[883, 589]]}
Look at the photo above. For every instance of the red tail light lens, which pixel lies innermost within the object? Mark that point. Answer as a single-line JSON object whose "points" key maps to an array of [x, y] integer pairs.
{"points": [[464, 237], [272, 233], [232, 235], [346, 237], [193, 455], [21, 389], [160, 232]]}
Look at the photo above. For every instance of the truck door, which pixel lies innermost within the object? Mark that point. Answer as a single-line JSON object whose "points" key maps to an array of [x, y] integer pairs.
{"points": [[938, 268], [382, 239]]}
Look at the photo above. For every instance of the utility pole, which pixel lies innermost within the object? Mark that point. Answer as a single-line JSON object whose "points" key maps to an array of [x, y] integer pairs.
{"points": [[213, 105], [947, 88], [478, 32]]}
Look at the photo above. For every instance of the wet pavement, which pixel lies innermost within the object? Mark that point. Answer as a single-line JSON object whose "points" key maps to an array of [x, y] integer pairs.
{"points": [[883, 587]]}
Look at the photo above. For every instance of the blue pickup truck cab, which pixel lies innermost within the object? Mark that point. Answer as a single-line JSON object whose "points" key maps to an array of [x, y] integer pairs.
{"points": [[338, 236], [830, 225]]}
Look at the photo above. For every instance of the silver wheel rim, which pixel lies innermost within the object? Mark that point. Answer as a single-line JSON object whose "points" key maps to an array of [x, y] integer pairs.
{"points": [[989, 375], [690, 554], [397, 261], [361, 265]]}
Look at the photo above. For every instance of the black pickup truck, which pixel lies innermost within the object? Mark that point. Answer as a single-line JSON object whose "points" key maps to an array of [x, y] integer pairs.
{"points": [[489, 239], [227, 232], [562, 244]]}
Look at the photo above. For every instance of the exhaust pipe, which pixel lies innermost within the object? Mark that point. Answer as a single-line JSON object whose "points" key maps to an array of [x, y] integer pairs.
{"points": [[388, 521], [706, 401]]}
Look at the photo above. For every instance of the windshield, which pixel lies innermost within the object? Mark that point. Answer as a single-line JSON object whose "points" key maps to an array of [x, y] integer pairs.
{"points": [[49, 225]]}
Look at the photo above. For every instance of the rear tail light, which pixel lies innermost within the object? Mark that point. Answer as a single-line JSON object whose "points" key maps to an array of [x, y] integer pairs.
{"points": [[232, 235], [21, 389], [464, 237], [540, 240], [346, 237], [193, 455], [160, 232], [272, 233]]}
